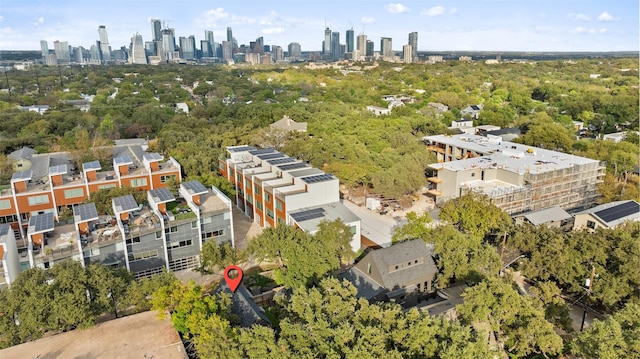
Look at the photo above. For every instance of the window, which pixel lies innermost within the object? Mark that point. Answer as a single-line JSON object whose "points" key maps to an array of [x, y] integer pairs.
{"points": [[194, 225], [278, 205], [256, 189], [250, 199], [138, 182], [280, 220], [158, 234], [221, 166], [267, 197], [107, 186], [212, 234], [143, 255], [591, 224], [174, 229], [73, 193], [133, 240], [269, 213], [180, 244], [205, 220], [259, 205], [239, 177], [353, 229], [34, 200], [247, 184], [5, 204], [167, 178]]}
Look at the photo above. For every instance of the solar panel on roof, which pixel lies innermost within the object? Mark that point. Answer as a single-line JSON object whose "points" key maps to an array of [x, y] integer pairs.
{"points": [[241, 149], [293, 166], [308, 214], [124, 160], [85, 212], [4, 230], [280, 161], [318, 178], [125, 203], [161, 195], [93, 165], [41, 222], [619, 211], [152, 156], [194, 187], [262, 151], [21, 176], [58, 170], [271, 156]]}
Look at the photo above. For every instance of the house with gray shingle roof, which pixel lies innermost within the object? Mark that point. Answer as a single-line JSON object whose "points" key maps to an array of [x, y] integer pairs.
{"points": [[21, 159], [402, 272]]}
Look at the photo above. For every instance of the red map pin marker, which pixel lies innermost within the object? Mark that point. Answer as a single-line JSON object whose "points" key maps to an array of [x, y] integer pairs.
{"points": [[233, 283]]}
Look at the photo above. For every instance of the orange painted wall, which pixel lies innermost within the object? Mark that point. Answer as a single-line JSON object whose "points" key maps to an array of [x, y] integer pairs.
{"points": [[126, 182], [92, 176], [20, 187], [83, 228], [155, 177], [123, 170], [124, 216], [162, 207], [95, 186], [23, 203], [154, 166], [279, 213], [196, 199], [37, 239], [9, 211], [61, 201], [57, 180], [223, 171]]}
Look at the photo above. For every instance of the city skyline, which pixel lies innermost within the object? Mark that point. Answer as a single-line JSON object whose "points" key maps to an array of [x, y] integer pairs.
{"points": [[491, 25]]}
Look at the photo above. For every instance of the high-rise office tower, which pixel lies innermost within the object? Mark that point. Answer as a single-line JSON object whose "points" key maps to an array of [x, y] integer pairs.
{"points": [[258, 46], [295, 51], [326, 43], [335, 45], [188, 47], [44, 47], [349, 40], [407, 54], [156, 30], [208, 36], [95, 52], [77, 55], [413, 41], [229, 35], [386, 50], [150, 48], [62, 51], [168, 44], [369, 48], [362, 45], [137, 51], [205, 49], [278, 54], [105, 50], [227, 50]]}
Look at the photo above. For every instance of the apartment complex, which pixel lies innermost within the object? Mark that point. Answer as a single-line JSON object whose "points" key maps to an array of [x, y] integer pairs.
{"points": [[517, 178], [273, 188], [44, 220]]}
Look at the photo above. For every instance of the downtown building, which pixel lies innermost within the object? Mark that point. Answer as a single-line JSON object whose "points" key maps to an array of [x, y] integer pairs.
{"points": [[273, 188], [516, 177], [45, 217]]}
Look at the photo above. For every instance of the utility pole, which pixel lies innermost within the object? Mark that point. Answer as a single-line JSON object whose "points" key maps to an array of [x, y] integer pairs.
{"points": [[504, 241], [590, 284], [6, 77]]}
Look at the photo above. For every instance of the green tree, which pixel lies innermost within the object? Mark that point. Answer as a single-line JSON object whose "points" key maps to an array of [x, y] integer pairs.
{"points": [[473, 213], [417, 226], [217, 256]]}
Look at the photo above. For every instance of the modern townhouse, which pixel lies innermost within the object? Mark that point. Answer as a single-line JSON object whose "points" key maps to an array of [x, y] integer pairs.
{"points": [[273, 188]]}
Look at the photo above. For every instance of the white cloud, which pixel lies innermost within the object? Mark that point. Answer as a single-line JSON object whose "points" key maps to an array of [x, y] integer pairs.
{"points": [[605, 16], [603, 30], [582, 30], [217, 14], [434, 11], [580, 17], [397, 8], [453, 10], [273, 31], [1, 18], [38, 22], [367, 20]]}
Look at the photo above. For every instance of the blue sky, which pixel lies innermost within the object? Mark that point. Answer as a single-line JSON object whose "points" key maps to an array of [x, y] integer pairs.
{"points": [[476, 25]]}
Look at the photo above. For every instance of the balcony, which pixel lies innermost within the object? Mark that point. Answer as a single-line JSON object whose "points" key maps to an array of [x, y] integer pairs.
{"points": [[434, 180], [434, 192]]}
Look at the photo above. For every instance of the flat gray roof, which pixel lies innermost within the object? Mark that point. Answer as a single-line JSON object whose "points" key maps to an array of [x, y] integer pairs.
{"points": [[329, 212], [546, 215]]}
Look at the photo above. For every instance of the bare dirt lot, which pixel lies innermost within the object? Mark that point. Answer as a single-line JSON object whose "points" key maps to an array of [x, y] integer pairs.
{"points": [[136, 336]]}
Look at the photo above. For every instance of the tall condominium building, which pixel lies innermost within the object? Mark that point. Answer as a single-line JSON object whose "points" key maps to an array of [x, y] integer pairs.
{"points": [[205, 49], [77, 55], [386, 49], [273, 188], [44, 47], [278, 54], [229, 35], [350, 40], [45, 218], [137, 49], [227, 50], [335, 45], [156, 30], [326, 43], [407, 54], [517, 178], [150, 48], [105, 50], [62, 51], [362, 45], [208, 36], [295, 51], [413, 41], [168, 44], [188, 47], [369, 48]]}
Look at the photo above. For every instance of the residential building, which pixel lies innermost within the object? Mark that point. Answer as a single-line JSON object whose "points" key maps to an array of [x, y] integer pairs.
{"points": [[287, 124], [608, 215], [402, 272], [295, 51], [208, 35], [350, 40], [517, 178], [188, 47], [44, 48], [62, 51], [407, 54], [21, 159], [472, 111], [379, 111], [386, 49], [105, 50], [156, 30], [413, 42], [243, 306], [361, 46], [335, 46], [273, 188], [554, 217], [138, 53], [326, 43]]}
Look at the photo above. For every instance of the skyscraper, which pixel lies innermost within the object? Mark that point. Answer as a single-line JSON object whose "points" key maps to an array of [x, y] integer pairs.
{"points": [[407, 54], [44, 47], [326, 44], [156, 30], [361, 46], [105, 50], [208, 36], [205, 49], [229, 35], [335, 45], [413, 41], [137, 50], [295, 51], [349, 40], [227, 50], [386, 50], [277, 53], [369, 48], [62, 51], [168, 44]]}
